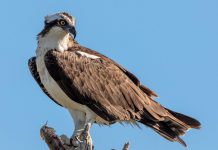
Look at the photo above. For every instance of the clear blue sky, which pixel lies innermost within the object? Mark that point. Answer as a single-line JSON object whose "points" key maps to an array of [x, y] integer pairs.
{"points": [[172, 46]]}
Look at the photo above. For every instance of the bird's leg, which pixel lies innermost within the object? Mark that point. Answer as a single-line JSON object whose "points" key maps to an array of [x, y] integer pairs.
{"points": [[81, 138], [79, 128], [86, 138], [79, 122]]}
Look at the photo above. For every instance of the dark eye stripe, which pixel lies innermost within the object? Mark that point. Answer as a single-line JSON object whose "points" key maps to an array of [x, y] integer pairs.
{"points": [[50, 24], [47, 27]]}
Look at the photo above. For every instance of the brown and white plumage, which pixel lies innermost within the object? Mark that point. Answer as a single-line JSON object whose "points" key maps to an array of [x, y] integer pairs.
{"points": [[95, 88]]}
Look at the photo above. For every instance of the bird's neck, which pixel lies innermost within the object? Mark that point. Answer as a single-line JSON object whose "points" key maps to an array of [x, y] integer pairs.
{"points": [[54, 41]]}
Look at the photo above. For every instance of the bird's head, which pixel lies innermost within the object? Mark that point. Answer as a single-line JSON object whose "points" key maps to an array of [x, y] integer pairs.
{"points": [[59, 23]]}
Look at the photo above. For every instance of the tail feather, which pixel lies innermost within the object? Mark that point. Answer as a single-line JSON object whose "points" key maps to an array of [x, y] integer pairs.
{"points": [[173, 127], [169, 134], [165, 131], [193, 123]]}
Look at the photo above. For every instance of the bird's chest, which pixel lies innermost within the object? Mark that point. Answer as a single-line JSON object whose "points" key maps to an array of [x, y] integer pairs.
{"points": [[45, 77], [52, 87]]}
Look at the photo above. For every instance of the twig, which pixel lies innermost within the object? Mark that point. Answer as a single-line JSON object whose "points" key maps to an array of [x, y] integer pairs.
{"points": [[126, 146], [52, 140]]}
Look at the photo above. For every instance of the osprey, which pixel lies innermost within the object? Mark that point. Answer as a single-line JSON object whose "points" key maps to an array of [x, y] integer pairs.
{"points": [[94, 88]]}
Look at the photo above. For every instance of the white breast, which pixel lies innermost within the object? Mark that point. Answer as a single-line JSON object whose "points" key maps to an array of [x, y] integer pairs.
{"points": [[53, 88]]}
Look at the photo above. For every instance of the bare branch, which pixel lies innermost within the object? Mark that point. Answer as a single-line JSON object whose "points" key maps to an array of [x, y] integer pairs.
{"points": [[62, 142]]}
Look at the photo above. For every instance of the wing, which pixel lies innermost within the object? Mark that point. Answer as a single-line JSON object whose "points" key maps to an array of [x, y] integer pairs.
{"points": [[135, 80], [131, 76], [33, 70], [101, 85]]}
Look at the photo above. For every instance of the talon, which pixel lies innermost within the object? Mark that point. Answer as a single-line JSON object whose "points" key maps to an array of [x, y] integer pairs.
{"points": [[75, 141], [87, 140]]}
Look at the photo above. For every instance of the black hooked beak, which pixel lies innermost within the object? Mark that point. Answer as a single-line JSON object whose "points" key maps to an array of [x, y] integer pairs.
{"points": [[71, 29]]}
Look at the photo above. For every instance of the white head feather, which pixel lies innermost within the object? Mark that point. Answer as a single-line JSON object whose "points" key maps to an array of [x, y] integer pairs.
{"points": [[59, 16]]}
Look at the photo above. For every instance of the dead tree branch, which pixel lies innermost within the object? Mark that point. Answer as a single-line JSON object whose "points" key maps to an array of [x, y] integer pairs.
{"points": [[62, 142]]}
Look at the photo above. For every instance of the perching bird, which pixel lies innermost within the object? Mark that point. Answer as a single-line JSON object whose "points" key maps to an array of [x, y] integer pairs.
{"points": [[94, 88]]}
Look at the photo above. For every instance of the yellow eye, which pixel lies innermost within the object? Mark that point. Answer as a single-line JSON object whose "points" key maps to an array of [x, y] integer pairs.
{"points": [[62, 22]]}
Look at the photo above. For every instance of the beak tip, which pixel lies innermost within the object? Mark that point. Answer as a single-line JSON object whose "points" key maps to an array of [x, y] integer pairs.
{"points": [[72, 31]]}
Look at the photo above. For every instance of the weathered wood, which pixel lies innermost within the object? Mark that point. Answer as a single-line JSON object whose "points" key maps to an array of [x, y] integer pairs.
{"points": [[126, 146], [52, 140], [62, 142]]}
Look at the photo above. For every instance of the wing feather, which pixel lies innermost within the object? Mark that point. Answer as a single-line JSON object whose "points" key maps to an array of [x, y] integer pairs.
{"points": [[131, 76], [100, 84]]}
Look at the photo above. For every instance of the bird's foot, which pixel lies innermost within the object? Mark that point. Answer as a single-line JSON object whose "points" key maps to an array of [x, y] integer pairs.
{"points": [[75, 141], [86, 138], [65, 140], [82, 140]]}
